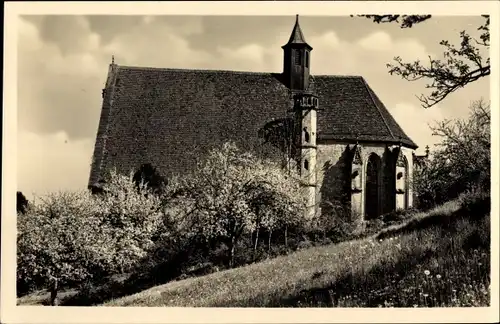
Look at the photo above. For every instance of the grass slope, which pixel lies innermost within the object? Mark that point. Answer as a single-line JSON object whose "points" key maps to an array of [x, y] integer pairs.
{"points": [[440, 258]]}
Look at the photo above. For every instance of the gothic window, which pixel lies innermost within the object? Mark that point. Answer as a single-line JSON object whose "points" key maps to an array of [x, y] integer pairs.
{"points": [[307, 59], [356, 180], [306, 135], [401, 167], [306, 164], [372, 186], [298, 57], [356, 168]]}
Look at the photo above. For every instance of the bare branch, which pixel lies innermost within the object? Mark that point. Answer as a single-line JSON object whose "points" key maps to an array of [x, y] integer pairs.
{"points": [[462, 65]]}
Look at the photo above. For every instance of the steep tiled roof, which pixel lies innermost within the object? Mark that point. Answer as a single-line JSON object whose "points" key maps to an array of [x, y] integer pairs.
{"points": [[171, 117], [353, 111]]}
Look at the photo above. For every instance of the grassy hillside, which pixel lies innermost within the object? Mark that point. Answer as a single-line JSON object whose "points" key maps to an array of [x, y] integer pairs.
{"points": [[439, 258]]}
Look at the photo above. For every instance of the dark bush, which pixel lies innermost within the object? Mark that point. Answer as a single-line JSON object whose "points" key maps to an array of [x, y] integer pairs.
{"points": [[22, 203], [150, 177], [476, 204], [398, 215]]}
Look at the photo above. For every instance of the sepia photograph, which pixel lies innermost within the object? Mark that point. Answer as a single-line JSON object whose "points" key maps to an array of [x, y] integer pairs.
{"points": [[235, 160]]}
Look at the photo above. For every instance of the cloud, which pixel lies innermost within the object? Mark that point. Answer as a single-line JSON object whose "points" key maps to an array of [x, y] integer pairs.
{"points": [[248, 57], [71, 34], [29, 37], [52, 162], [381, 42], [377, 41], [367, 55], [58, 91], [163, 47], [328, 40]]}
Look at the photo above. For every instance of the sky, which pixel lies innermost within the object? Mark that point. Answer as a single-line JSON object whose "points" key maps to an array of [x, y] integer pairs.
{"points": [[63, 63]]}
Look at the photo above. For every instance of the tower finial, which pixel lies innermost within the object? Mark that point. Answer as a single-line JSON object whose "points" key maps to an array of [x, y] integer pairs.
{"points": [[112, 59], [297, 18]]}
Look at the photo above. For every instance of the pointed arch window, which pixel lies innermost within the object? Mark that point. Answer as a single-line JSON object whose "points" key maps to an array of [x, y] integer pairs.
{"points": [[306, 164], [306, 135], [307, 59]]}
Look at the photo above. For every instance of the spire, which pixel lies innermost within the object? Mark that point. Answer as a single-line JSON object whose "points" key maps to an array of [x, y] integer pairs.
{"points": [[297, 37]]}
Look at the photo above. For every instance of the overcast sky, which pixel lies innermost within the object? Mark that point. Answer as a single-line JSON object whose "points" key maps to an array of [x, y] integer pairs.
{"points": [[63, 63]]}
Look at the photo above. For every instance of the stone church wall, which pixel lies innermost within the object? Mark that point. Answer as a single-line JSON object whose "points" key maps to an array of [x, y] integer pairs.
{"points": [[334, 182]]}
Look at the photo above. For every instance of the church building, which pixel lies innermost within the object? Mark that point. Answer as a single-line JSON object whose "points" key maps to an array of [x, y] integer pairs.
{"points": [[348, 148]]}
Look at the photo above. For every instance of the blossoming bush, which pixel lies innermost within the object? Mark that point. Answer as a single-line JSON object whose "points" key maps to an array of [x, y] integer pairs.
{"points": [[57, 238], [73, 237], [232, 194]]}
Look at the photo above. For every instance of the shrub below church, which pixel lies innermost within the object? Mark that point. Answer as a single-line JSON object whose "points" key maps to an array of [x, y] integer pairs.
{"points": [[71, 238], [461, 161], [55, 240], [233, 194]]}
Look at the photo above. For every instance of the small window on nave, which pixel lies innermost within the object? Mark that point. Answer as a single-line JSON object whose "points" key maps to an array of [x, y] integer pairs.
{"points": [[306, 164]]}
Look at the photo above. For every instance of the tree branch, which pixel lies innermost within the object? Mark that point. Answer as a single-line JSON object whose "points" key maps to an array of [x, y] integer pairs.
{"points": [[462, 65]]}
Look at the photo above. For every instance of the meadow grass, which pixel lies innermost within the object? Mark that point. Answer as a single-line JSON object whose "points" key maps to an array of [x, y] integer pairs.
{"points": [[438, 258]]}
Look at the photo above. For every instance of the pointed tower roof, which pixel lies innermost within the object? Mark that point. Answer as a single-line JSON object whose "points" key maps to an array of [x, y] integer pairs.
{"points": [[297, 37]]}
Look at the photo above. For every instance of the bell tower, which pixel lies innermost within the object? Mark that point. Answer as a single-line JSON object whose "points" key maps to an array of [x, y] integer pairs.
{"points": [[296, 63], [296, 66]]}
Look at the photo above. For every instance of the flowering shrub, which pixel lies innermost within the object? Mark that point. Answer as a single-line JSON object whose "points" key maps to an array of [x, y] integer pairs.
{"points": [[129, 221], [234, 193], [69, 238]]}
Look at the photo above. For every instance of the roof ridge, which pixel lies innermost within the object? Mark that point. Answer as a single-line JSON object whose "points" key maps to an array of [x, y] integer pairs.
{"points": [[149, 68], [367, 87], [337, 76]]}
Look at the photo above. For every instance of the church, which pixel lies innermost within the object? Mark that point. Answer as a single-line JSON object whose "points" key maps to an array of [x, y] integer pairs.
{"points": [[334, 130]]}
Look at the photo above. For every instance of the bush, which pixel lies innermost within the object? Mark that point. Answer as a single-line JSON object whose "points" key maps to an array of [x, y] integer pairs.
{"points": [[72, 238], [53, 241], [475, 203], [22, 203], [461, 162], [398, 215], [148, 176], [232, 194], [337, 225], [305, 244]]}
